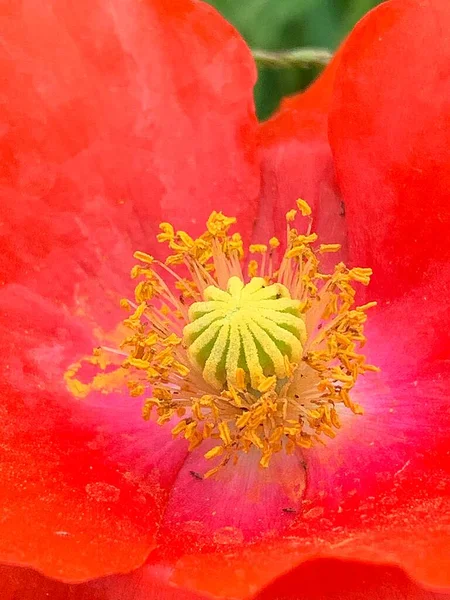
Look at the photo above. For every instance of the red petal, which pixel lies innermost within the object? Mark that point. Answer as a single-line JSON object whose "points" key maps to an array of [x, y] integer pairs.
{"points": [[297, 163], [117, 116], [83, 485], [390, 134]]}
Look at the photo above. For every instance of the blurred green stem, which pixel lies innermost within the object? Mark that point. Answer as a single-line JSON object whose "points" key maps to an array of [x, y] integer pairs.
{"points": [[298, 57]]}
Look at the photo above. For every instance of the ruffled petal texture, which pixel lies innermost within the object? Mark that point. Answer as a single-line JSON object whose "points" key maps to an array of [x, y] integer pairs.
{"points": [[115, 116]]}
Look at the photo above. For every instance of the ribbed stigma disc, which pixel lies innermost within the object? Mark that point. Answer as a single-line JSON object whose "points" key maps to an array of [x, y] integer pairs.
{"points": [[248, 328]]}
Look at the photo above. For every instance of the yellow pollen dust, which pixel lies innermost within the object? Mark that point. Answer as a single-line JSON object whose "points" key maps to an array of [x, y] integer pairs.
{"points": [[259, 353]]}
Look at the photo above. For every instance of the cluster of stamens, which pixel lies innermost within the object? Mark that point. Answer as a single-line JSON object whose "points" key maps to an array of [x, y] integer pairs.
{"points": [[263, 360]]}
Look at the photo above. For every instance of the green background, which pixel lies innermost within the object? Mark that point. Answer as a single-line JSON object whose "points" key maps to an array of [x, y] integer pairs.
{"points": [[286, 24]]}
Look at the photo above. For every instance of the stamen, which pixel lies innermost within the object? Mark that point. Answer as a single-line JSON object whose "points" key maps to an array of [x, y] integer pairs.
{"points": [[266, 361]]}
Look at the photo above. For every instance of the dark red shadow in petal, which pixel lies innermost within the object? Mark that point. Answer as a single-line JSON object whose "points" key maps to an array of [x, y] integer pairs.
{"points": [[330, 579], [17, 583]]}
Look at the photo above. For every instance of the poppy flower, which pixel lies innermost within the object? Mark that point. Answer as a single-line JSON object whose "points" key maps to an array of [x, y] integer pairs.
{"points": [[119, 116]]}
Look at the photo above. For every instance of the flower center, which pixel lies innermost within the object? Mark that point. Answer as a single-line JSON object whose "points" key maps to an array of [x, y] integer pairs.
{"points": [[243, 335], [264, 360]]}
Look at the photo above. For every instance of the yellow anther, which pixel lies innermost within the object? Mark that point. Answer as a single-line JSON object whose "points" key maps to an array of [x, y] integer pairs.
{"points": [[265, 460], [289, 367], [125, 304], [329, 248], [257, 248], [267, 384], [303, 207], [136, 271], [372, 368], [175, 259], [366, 306], [243, 419], [167, 232], [136, 362], [144, 291], [179, 427], [143, 257], [172, 340], [148, 407], [252, 268], [290, 215], [136, 389], [295, 252], [216, 451], [186, 239], [361, 275], [136, 316], [307, 239], [240, 379], [327, 430], [182, 248], [218, 224], [181, 369], [190, 430], [274, 242], [162, 393], [224, 433], [232, 393]]}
